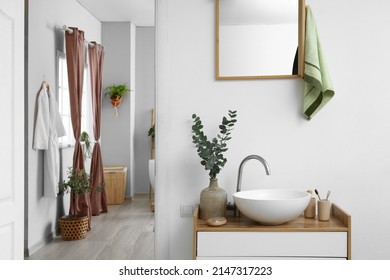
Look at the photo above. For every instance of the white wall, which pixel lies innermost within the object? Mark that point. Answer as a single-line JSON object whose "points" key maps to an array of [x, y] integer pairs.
{"points": [[117, 145], [45, 16], [144, 98], [345, 148]]}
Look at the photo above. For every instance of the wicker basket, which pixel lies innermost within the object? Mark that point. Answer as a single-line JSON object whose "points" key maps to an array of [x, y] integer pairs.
{"points": [[73, 228], [115, 178]]}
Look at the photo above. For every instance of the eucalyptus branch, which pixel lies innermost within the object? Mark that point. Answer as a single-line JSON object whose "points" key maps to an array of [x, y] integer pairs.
{"points": [[212, 152]]}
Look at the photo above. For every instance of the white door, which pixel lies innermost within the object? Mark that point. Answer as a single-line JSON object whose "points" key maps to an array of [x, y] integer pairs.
{"points": [[11, 129]]}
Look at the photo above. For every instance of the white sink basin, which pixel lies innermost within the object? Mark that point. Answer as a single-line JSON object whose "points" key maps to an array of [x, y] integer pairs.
{"points": [[271, 206]]}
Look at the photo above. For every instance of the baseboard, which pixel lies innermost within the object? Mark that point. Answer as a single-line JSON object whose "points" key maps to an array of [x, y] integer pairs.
{"points": [[38, 245]]}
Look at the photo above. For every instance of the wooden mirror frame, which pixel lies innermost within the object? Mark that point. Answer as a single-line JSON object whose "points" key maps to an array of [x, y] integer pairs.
{"points": [[301, 47]]}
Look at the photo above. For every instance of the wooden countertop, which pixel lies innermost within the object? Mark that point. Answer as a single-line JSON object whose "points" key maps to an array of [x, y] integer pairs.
{"points": [[339, 221]]}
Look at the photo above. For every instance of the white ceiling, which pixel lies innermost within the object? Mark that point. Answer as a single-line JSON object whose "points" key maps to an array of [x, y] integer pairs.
{"points": [[139, 12]]}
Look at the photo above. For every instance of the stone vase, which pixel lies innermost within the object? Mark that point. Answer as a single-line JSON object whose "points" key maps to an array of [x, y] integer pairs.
{"points": [[212, 201]]}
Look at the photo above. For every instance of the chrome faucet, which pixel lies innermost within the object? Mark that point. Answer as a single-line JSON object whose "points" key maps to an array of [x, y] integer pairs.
{"points": [[244, 161]]}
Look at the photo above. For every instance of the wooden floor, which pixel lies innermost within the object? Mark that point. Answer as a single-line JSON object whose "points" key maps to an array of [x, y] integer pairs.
{"points": [[126, 232]]}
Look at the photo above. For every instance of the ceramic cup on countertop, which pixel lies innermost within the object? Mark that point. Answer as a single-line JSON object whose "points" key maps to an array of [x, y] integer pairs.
{"points": [[324, 207]]}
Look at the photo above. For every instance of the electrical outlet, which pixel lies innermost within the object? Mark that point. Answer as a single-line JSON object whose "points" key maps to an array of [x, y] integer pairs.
{"points": [[186, 211]]}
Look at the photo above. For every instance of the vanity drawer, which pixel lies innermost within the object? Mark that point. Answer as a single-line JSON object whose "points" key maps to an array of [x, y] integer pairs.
{"points": [[272, 244]]}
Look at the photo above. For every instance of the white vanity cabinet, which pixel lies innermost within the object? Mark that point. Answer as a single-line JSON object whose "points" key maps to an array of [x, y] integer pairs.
{"points": [[241, 238]]}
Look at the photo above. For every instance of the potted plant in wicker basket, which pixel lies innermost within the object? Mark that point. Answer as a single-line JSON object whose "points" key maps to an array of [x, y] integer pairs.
{"points": [[74, 227]]}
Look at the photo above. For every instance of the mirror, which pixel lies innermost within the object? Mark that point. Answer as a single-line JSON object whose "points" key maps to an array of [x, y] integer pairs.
{"points": [[259, 39]]}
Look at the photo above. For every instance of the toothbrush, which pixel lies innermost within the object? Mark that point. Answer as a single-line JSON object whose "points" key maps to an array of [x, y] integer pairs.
{"points": [[318, 194], [327, 195]]}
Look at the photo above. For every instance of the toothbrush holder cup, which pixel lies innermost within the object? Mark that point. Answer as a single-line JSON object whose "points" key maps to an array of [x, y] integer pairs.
{"points": [[324, 207]]}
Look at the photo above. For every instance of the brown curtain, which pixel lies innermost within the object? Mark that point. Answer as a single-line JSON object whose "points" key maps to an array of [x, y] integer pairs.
{"points": [[98, 195], [75, 58]]}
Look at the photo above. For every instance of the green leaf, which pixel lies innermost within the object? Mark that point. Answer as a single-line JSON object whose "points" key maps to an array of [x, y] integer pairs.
{"points": [[205, 153], [210, 162], [225, 121]]}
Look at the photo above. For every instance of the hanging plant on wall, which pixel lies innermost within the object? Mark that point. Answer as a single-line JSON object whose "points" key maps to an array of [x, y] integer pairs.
{"points": [[116, 93]]}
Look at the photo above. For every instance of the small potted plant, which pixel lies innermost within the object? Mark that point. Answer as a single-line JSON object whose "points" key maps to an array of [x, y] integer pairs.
{"points": [[213, 198], [115, 93], [74, 227]]}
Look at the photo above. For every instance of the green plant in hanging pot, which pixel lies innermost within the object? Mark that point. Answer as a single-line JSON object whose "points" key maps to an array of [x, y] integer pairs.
{"points": [[212, 153], [73, 226], [115, 93]]}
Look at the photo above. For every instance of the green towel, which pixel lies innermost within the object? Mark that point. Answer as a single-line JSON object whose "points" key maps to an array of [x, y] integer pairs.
{"points": [[318, 84]]}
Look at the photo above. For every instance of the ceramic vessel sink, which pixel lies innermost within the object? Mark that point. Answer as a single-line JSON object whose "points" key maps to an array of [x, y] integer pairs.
{"points": [[271, 206]]}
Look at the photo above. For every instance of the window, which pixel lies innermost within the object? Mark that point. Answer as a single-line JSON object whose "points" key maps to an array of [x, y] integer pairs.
{"points": [[64, 102]]}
